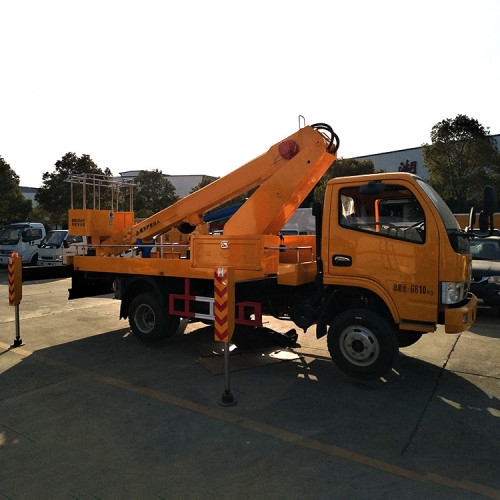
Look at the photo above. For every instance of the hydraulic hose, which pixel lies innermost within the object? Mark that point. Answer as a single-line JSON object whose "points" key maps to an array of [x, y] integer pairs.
{"points": [[334, 144]]}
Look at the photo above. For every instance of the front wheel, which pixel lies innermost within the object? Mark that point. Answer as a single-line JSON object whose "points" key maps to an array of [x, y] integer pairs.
{"points": [[148, 321], [362, 343]]}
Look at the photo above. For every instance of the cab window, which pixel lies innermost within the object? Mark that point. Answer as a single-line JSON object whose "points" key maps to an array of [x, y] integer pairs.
{"points": [[32, 234], [393, 213], [71, 239]]}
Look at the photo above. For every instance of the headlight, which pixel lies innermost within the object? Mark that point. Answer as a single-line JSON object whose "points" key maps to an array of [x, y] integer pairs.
{"points": [[494, 279], [452, 292]]}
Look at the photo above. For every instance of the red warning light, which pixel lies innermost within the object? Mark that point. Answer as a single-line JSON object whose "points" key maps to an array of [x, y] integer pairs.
{"points": [[288, 149]]}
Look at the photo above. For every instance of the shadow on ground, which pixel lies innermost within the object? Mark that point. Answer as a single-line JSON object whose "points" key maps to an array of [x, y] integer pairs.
{"points": [[79, 398]]}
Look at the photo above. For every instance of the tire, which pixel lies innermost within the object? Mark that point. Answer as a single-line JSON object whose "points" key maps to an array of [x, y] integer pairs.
{"points": [[148, 320], [34, 260], [407, 338], [362, 343]]}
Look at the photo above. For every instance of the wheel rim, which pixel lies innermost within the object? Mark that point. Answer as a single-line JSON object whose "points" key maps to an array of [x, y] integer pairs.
{"points": [[359, 345], [144, 318]]}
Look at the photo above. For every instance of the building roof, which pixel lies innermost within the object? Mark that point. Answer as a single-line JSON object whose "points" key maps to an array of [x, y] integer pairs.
{"points": [[494, 136], [135, 173]]}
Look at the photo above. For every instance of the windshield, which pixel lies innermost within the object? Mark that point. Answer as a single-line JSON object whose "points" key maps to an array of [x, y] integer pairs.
{"points": [[485, 248], [449, 220], [53, 239], [9, 236], [459, 242]]}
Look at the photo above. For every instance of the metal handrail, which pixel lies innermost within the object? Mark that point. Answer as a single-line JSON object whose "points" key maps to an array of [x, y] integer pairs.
{"points": [[298, 249]]}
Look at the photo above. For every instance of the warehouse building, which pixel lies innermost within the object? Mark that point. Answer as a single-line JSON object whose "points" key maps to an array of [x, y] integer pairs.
{"points": [[182, 183], [404, 160]]}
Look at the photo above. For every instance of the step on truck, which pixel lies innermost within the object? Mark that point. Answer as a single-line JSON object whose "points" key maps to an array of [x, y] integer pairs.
{"points": [[388, 262]]}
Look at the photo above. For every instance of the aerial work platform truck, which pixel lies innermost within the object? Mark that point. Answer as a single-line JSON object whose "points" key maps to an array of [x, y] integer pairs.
{"points": [[387, 264]]}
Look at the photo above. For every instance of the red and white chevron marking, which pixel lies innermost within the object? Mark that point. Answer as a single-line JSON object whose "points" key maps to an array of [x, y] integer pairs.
{"points": [[221, 318], [15, 281]]}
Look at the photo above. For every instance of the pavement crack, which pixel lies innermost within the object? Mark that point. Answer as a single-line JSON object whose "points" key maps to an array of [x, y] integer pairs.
{"points": [[18, 433], [429, 400], [493, 377]]}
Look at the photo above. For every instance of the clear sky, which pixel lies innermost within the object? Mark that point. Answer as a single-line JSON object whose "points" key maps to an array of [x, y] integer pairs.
{"points": [[203, 87]]}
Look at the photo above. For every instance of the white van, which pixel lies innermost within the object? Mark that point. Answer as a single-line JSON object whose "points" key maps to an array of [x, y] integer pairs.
{"points": [[301, 222], [58, 245], [21, 238]]}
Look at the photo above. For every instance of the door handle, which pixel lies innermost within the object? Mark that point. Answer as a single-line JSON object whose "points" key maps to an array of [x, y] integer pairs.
{"points": [[341, 260]]}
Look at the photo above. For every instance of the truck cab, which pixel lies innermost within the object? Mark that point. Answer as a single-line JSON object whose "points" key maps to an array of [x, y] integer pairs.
{"points": [[21, 238], [390, 244]]}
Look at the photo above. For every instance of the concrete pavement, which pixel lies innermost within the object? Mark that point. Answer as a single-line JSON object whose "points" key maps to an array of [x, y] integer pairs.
{"points": [[86, 411]]}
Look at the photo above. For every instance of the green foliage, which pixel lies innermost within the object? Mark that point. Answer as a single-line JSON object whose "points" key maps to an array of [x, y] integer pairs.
{"points": [[342, 167], [346, 167], [14, 207], [461, 160], [154, 192], [38, 214], [205, 181], [54, 196]]}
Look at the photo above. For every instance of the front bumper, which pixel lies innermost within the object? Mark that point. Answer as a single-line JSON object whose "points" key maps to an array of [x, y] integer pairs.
{"points": [[4, 260], [459, 319]]}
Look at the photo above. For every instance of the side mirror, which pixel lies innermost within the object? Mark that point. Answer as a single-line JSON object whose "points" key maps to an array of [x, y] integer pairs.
{"points": [[483, 222], [65, 244], [490, 200]]}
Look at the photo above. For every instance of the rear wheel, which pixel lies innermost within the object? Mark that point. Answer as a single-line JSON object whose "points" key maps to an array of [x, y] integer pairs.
{"points": [[149, 321], [362, 343]]}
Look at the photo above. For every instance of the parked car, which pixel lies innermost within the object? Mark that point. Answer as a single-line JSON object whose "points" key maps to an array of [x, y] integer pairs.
{"points": [[21, 238], [58, 245], [301, 222], [485, 283]]}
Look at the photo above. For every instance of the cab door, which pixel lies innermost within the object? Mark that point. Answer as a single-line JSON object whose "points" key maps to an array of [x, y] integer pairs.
{"points": [[385, 239]]}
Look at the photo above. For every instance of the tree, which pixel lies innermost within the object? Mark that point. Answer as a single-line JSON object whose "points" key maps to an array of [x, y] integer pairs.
{"points": [[343, 167], [154, 192], [461, 160], [14, 207], [205, 181], [54, 196]]}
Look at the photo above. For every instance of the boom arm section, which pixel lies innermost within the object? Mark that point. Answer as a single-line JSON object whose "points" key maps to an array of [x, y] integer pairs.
{"points": [[274, 202], [285, 174]]}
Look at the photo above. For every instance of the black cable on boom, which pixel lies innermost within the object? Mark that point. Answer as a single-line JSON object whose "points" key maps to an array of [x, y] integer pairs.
{"points": [[334, 138]]}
